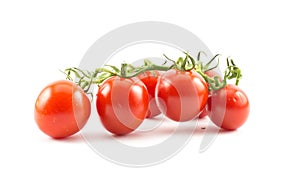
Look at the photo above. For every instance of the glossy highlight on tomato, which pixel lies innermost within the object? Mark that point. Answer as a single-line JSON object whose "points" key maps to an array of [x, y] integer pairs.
{"points": [[229, 107], [122, 104], [62, 109], [181, 95]]}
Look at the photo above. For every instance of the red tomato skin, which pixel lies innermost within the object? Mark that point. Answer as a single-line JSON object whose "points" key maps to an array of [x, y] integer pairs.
{"points": [[229, 107], [62, 109], [122, 104], [149, 78], [203, 113], [181, 95]]}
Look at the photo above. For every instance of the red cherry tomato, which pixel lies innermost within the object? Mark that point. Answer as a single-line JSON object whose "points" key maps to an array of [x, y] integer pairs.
{"points": [[62, 109], [149, 78], [229, 107], [122, 104], [181, 95]]}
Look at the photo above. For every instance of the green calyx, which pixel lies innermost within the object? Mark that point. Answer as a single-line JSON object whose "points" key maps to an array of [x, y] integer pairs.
{"points": [[232, 71], [184, 64]]}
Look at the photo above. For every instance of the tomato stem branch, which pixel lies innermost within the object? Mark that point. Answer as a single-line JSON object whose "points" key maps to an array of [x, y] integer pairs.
{"points": [[85, 79]]}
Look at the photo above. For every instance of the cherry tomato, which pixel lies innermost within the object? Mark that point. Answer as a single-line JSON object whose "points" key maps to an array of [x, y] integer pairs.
{"points": [[149, 78], [181, 95], [229, 107], [122, 104], [62, 109]]}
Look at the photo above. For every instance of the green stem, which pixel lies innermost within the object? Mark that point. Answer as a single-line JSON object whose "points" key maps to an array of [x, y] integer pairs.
{"points": [[199, 55], [214, 83], [146, 68], [206, 66], [232, 71]]}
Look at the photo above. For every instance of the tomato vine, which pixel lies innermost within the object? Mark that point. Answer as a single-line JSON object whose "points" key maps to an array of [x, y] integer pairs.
{"points": [[85, 79]]}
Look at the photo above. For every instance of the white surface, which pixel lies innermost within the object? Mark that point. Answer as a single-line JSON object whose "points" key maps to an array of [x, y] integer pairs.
{"points": [[37, 39]]}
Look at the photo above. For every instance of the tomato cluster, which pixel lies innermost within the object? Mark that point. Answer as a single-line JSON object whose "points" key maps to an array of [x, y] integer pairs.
{"points": [[127, 96]]}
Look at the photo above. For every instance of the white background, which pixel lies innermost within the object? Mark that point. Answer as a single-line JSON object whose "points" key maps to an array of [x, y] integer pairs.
{"points": [[37, 39]]}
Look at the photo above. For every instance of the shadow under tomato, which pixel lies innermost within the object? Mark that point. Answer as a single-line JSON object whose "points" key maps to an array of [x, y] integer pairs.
{"points": [[200, 129], [105, 136], [135, 135], [80, 138], [70, 139], [167, 130], [216, 130]]}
